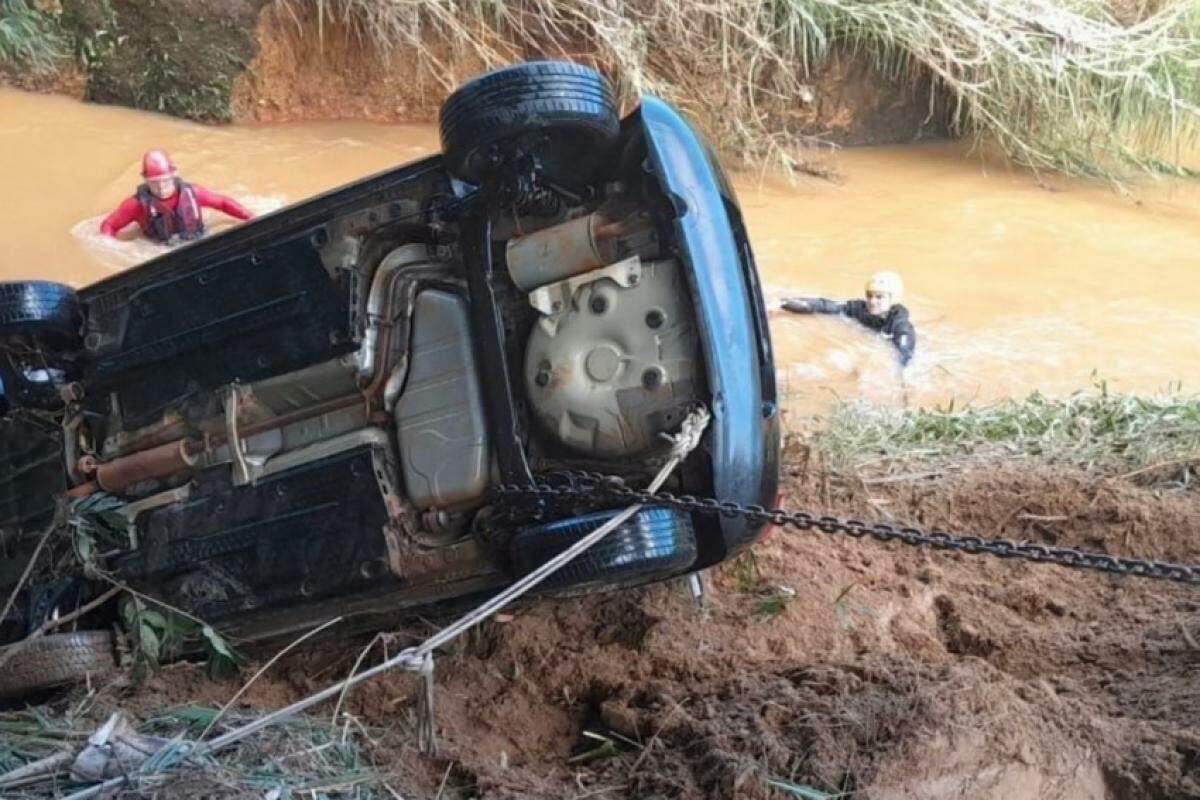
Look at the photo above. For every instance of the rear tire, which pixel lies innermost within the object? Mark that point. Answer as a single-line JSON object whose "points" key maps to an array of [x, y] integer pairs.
{"points": [[565, 113], [655, 544], [58, 659]]}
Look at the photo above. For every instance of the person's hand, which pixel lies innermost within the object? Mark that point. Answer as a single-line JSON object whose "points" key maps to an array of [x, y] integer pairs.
{"points": [[798, 305]]}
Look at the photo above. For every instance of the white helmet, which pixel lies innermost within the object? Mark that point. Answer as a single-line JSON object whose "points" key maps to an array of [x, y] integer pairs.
{"points": [[887, 282], [884, 290]]}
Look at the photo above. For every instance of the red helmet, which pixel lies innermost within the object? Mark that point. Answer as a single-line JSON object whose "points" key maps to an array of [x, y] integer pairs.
{"points": [[157, 164]]}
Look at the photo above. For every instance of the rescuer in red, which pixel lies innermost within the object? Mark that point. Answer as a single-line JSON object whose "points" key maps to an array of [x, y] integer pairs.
{"points": [[165, 207]]}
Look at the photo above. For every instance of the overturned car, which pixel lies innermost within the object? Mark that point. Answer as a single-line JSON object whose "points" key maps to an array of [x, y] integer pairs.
{"points": [[309, 416]]}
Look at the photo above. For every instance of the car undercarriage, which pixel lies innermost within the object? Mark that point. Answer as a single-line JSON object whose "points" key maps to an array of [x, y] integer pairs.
{"points": [[307, 416]]}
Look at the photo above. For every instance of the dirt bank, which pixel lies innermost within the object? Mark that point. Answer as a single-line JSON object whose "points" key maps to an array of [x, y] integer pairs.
{"points": [[177, 57], [889, 673], [249, 60], [308, 68], [312, 66]]}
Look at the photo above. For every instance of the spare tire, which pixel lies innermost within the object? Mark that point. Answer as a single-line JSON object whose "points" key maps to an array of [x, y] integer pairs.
{"points": [[58, 659], [654, 544], [565, 112]]}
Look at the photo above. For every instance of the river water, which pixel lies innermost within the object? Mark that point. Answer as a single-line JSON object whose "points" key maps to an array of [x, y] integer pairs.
{"points": [[1014, 285]]}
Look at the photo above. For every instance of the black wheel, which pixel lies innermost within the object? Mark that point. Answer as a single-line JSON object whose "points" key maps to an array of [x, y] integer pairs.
{"points": [[58, 659], [654, 544], [564, 113], [43, 310], [39, 335]]}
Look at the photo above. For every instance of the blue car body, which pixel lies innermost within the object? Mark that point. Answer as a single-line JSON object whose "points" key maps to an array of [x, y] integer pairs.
{"points": [[732, 318]]}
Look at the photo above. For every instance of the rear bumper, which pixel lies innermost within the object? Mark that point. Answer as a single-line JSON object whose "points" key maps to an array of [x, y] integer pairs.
{"points": [[744, 435]]}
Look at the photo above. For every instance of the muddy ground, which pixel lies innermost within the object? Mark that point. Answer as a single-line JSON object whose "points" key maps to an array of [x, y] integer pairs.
{"points": [[843, 666]]}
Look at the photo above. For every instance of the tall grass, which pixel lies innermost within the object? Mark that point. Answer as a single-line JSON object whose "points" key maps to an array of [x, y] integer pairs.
{"points": [[1153, 436], [1058, 84], [29, 39]]}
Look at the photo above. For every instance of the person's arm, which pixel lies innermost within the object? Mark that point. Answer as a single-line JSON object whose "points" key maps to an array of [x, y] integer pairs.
{"points": [[814, 305], [857, 311], [129, 211], [904, 337], [220, 202]]}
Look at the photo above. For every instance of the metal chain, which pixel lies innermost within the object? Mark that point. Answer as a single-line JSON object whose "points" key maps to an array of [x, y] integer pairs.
{"points": [[581, 484]]}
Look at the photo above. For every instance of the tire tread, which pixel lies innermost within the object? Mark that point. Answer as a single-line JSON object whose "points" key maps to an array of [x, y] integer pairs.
{"points": [[655, 543], [556, 97], [58, 659]]}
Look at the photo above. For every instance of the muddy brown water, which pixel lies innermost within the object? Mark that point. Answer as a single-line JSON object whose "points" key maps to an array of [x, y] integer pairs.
{"points": [[1014, 286]]}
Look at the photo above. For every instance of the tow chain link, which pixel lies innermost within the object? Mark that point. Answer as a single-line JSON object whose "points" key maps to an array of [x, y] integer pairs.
{"points": [[581, 484]]}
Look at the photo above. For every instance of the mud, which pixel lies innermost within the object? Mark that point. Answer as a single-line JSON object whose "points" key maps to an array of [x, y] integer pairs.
{"points": [[70, 80], [838, 665], [312, 66]]}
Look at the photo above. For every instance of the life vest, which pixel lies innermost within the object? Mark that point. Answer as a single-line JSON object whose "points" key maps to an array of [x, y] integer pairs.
{"points": [[165, 223]]}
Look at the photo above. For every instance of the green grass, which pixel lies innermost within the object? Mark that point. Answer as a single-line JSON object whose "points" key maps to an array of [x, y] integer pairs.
{"points": [[29, 39], [1093, 429], [1058, 84], [770, 600]]}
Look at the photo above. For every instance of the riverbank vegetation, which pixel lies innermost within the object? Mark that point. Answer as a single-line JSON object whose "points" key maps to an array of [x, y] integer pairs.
{"points": [[1107, 89], [1151, 439], [1100, 88], [29, 39], [1086, 87]]}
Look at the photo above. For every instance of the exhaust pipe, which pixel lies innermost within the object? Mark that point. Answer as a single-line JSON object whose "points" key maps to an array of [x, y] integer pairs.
{"points": [[158, 462], [178, 456], [573, 247]]}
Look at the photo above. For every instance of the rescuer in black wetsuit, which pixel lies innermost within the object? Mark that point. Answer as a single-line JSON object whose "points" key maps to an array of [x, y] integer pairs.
{"points": [[881, 311]]}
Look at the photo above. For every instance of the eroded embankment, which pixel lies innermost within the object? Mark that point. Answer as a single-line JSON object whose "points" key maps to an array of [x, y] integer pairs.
{"points": [[890, 673], [286, 60]]}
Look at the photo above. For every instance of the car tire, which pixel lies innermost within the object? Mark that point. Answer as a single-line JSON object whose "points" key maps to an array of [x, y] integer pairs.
{"points": [[58, 659], [41, 309], [654, 544], [567, 112], [41, 315]]}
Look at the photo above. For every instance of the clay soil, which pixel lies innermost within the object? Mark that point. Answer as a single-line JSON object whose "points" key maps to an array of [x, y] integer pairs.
{"points": [[315, 67], [311, 66], [847, 667]]}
